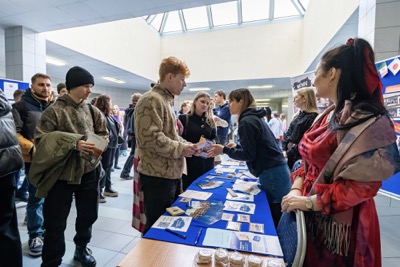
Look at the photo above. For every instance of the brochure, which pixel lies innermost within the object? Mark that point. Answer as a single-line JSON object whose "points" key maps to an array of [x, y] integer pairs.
{"points": [[207, 212], [100, 145], [241, 197], [202, 147], [239, 207], [246, 187], [209, 184], [196, 194], [243, 241], [181, 223]]}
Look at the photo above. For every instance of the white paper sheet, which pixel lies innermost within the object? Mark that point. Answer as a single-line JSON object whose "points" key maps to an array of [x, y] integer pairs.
{"points": [[196, 194], [239, 207], [243, 241]]}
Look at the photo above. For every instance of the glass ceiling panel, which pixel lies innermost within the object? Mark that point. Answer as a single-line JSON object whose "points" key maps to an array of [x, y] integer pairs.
{"points": [[253, 10], [173, 23], [196, 18], [224, 13], [304, 3], [156, 23], [285, 8]]}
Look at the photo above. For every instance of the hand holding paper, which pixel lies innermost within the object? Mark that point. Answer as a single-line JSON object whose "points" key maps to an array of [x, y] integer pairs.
{"points": [[215, 150]]}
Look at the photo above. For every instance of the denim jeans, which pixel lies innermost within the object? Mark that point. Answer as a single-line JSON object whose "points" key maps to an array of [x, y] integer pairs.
{"points": [[276, 182], [34, 209]]}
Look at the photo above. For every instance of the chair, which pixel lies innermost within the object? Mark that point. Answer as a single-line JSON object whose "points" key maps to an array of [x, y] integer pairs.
{"points": [[292, 237]]}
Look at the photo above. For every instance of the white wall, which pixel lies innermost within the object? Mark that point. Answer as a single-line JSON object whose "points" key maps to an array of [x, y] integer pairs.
{"points": [[128, 44], [322, 21], [248, 52]]}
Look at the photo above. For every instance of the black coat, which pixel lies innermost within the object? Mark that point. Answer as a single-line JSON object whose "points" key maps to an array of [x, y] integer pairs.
{"points": [[10, 152], [257, 143]]}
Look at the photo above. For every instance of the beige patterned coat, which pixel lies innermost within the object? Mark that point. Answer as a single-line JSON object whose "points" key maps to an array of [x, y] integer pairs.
{"points": [[160, 147]]}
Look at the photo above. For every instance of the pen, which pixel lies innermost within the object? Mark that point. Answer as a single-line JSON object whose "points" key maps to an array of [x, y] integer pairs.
{"points": [[198, 236], [175, 233]]}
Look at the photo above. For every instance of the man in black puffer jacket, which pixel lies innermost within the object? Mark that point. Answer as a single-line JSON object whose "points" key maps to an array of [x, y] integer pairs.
{"points": [[26, 114], [10, 162]]}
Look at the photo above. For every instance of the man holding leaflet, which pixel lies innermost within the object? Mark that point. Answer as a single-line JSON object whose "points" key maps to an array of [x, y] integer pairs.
{"points": [[161, 149]]}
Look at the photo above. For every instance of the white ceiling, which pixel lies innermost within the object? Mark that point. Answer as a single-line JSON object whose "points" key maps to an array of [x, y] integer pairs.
{"points": [[47, 15]]}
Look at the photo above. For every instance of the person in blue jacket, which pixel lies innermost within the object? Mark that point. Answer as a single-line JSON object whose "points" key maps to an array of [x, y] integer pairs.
{"points": [[222, 111], [258, 148]]}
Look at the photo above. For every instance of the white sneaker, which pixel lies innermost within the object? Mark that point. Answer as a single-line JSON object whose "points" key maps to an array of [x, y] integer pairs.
{"points": [[35, 247]]}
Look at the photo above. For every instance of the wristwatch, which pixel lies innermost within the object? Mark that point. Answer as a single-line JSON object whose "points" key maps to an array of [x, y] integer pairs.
{"points": [[309, 204]]}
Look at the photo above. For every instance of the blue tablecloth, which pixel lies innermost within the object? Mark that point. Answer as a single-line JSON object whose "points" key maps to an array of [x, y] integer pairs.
{"points": [[262, 215], [392, 185]]}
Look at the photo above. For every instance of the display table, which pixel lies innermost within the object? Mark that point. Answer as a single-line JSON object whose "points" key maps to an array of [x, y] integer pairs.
{"points": [[161, 248], [151, 253]]}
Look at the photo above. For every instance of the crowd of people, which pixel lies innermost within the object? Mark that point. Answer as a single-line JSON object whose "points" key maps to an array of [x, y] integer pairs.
{"points": [[329, 164]]}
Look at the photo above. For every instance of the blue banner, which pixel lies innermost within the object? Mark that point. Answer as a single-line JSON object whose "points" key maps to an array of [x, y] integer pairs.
{"points": [[9, 87]]}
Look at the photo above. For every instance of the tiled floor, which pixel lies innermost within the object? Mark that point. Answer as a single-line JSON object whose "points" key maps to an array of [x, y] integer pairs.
{"points": [[113, 236]]}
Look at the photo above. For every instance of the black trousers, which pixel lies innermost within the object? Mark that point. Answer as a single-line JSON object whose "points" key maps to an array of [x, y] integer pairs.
{"points": [[129, 161], [159, 194], [56, 209], [10, 243], [107, 161]]}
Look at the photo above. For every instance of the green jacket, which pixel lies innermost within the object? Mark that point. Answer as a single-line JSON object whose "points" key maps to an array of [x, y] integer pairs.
{"points": [[56, 159]]}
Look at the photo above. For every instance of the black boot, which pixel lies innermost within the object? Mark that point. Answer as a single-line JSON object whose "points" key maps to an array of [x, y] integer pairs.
{"points": [[84, 256]]}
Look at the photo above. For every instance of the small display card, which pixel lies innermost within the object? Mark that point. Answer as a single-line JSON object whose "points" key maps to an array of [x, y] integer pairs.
{"points": [[243, 218], [227, 216], [235, 226], [256, 227]]}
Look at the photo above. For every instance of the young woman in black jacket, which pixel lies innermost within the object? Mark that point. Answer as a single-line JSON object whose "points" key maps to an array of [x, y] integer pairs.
{"points": [[258, 148], [196, 123]]}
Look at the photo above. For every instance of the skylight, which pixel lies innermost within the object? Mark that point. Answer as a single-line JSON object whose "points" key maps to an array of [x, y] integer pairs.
{"points": [[225, 14], [253, 10]]}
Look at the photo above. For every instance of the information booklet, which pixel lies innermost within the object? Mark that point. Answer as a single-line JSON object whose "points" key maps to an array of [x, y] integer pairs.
{"points": [[203, 146], [100, 145], [243, 241], [239, 207], [209, 184], [173, 223], [207, 212]]}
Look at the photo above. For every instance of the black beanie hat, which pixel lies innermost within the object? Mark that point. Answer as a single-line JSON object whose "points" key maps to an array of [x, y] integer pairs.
{"points": [[77, 76]]}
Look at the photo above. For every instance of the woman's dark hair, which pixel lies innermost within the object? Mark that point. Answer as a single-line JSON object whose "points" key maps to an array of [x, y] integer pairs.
{"points": [[103, 102], [359, 80], [268, 113]]}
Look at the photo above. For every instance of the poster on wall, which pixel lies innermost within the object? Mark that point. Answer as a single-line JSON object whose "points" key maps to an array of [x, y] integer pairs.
{"points": [[302, 81], [388, 70], [9, 86]]}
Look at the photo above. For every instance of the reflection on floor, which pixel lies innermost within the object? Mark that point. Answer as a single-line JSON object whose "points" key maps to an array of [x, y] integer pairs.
{"points": [[113, 236]]}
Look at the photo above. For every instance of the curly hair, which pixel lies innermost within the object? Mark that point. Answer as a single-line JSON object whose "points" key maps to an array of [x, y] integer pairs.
{"points": [[103, 102], [173, 65]]}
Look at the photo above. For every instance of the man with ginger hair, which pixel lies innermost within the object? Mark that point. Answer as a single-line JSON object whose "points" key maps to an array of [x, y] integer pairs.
{"points": [[161, 149]]}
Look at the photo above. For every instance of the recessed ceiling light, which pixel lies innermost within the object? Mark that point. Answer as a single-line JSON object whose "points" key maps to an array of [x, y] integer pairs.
{"points": [[111, 79], [199, 89], [263, 99], [260, 86], [54, 61]]}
